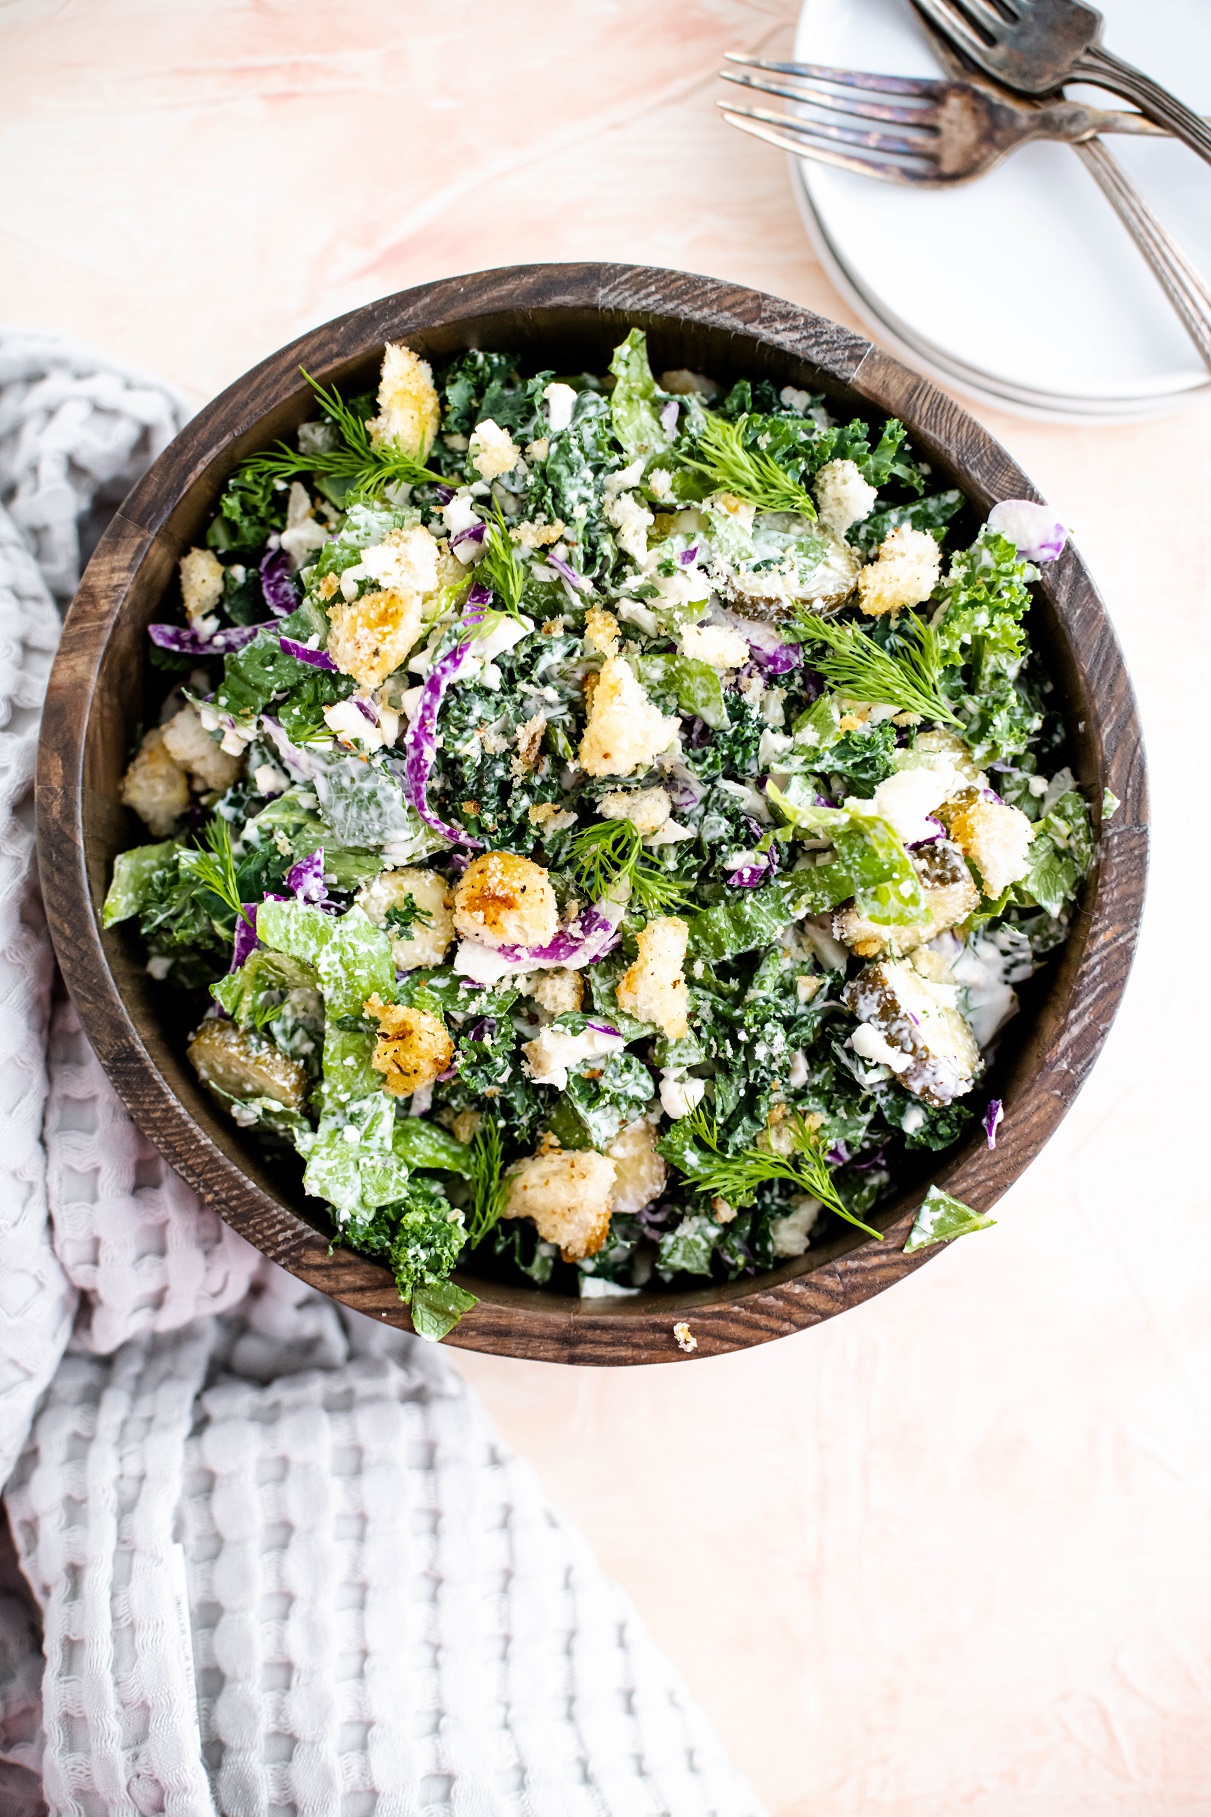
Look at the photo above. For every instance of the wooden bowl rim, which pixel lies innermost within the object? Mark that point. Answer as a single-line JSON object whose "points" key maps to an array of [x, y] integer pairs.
{"points": [[1083, 997]]}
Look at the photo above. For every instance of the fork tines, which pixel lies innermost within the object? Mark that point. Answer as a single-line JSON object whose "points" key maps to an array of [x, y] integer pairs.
{"points": [[830, 104]]}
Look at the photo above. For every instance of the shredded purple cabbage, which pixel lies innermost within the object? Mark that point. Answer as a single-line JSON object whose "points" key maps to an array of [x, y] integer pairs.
{"points": [[751, 876], [276, 584], [837, 1155], [688, 555], [994, 1116], [246, 941], [192, 643], [317, 659], [444, 494], [1034, 530], [584, 941], [603, 1028], [420, 740], [474, 533], [305, 880], [567, 572], [479, 594], [366, 708]]}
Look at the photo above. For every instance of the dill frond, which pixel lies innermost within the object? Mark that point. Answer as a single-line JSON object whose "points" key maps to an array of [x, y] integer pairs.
{"points": [[501, 568], [610, 850], [736, 1177], [488, 1188], [212, 864], [751, 474], [369, 469], [849, 658]]}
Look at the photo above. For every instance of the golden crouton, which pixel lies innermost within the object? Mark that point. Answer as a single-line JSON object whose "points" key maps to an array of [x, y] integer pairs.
{"points": [[654, 989], [950, 896], [409, 413], [905, 572], [646, 809], [529, 745], [428, 940], [601, 631], [412, 1049], [566, 1192], [246, 1065], [996, 836], [504, 900], [558, 991], [492, 450], [201, 583], [371, 636], [189, 743], [843, 496], [641, 1172], [155, 786], [910, 1025], [625, 732]]}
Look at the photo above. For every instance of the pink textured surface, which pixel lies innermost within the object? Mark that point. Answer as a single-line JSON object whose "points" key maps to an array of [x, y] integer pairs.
{"points": [[951, 1551]]}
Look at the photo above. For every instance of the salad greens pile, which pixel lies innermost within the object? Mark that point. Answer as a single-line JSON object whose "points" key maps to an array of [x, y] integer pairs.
{"points": [[598, 823]]}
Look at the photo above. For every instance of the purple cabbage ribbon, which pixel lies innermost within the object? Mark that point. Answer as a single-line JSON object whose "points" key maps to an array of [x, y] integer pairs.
{"points": [[1034, 529], [567, 572], [420, 740], [584, 941], [192, 643], [305, 880], [276, 584], [994, 1116], [246, 942], [317, 659]]}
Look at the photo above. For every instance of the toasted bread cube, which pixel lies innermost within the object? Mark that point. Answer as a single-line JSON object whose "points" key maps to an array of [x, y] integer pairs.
{"points": [[996, 836], [241, 1064], [155, 785], [566, 1192], [950, 894], [601, 631], [646, 809], [412, 1049], [654, 988], [189, 743], [905, 572], [558, 991], [201, 574], [409, 413], [910, 1025], [371, 636], [843, 496], [641, 1174], [492, 450], [427, 942], [504, 900], [625, 732]]}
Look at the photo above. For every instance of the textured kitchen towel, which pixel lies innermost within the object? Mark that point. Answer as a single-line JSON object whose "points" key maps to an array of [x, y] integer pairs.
{"points": [[283, 1566]]}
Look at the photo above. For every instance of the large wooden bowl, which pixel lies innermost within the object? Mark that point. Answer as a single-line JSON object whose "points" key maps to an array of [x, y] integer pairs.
{"points": [[568, 317]]}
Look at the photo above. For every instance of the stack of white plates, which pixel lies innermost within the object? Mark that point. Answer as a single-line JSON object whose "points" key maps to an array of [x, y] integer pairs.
{"points": [[1023, 287]]}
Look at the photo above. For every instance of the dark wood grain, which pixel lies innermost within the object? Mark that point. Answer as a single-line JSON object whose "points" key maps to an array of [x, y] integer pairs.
{"points": [[569, 317]]}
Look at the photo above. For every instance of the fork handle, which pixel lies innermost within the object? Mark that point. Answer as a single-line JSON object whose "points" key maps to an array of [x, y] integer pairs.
{"points": [[1181, 282], [1108, 71]]}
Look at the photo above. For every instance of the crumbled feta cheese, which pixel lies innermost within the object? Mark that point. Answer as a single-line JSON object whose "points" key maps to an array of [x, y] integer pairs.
{"points": [[267, 779], [679, 1095], [302, 532], [793, 399], [792, 1234], [405, 560], [714, 644], [907, 799], [632, 520], [551, 1055], [560, 401]]}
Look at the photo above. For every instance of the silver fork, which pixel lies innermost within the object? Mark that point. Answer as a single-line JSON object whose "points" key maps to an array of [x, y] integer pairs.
{"points": [[933, 134], [907, 129], [1035, 46], [1185, 287]]}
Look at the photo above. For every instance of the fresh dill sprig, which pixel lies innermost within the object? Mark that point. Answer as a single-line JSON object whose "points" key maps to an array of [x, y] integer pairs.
{"points": [[370, 469], [610, 850], [488, 1188], [501, 568], [848, 657], [212, 864], [751, 474], [736, 1178]]}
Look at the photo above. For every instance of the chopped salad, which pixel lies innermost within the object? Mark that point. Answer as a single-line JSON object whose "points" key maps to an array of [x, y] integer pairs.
{"points": [[599, 822]]}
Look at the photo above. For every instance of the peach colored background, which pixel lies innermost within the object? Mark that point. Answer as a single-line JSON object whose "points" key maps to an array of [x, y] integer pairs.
{"points": [[951, 1552]]}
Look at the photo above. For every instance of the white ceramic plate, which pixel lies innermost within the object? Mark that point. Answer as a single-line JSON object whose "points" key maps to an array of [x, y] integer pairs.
{"points": [[1022, 287]]}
